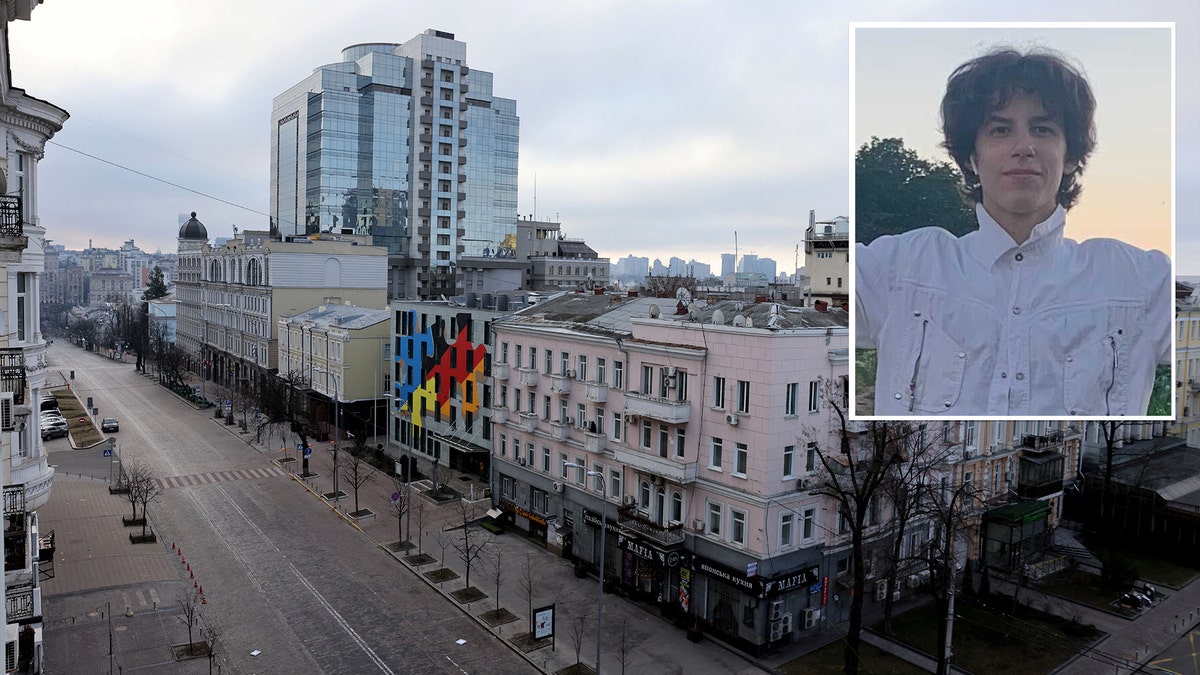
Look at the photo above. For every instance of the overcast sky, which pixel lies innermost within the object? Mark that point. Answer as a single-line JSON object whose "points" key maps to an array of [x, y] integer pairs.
{"points": [[653, 128]]}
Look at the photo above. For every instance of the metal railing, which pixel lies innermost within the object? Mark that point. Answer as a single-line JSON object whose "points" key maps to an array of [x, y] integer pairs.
{"points": [[10, 216]]}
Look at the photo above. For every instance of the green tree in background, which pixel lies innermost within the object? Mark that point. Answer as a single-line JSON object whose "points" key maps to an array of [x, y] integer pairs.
{"points": [[895, 191], [156, 287]]}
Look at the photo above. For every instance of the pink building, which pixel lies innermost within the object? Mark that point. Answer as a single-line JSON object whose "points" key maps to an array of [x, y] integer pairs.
{"points": [[697, 423]]}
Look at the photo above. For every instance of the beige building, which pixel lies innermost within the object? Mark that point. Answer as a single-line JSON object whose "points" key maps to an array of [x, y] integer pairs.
{"points": [[343, 353], [1187, 364], [231, 297], [827, 259]]}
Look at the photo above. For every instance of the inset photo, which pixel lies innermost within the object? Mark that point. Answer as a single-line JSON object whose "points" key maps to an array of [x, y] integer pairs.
{"points": [[1013, 219]]}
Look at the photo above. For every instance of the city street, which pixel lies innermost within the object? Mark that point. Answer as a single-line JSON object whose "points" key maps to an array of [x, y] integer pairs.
{"points": [[283, 574]]}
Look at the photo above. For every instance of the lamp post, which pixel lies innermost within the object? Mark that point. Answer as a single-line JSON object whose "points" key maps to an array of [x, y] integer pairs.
{"points": [[603, 536]]}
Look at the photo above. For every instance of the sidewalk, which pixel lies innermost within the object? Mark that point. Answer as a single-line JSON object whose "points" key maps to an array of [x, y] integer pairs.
{"points": [[652, 644]]}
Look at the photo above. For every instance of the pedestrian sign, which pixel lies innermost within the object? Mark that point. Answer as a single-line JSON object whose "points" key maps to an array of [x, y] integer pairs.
{"points": [[108, 452], [307, 451]]}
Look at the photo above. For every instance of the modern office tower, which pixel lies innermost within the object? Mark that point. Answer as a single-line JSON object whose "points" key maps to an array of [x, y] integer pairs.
{"points": [[403, 142]]}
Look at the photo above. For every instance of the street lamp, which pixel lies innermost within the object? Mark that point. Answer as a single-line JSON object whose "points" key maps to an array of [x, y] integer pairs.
{"points": [[603, 536]]}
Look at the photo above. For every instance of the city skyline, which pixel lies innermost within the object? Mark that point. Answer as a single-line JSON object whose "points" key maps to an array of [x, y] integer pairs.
{"points": [[628, 157]]}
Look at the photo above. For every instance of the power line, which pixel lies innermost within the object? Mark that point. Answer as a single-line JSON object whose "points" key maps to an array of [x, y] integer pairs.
{"points": [[160, 180]]}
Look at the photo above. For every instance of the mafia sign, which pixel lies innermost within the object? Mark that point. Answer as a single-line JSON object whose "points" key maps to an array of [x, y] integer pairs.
{"points": [[757, 585]]}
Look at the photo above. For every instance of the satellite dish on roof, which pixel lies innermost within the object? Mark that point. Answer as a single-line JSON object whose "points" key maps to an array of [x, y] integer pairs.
{"points": [[654, 311], [683, 295], [739, 320], [718, 317]]}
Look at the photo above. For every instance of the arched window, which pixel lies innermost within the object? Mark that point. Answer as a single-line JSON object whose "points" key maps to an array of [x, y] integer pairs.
{"points": [[214, 271], [253, 273], [644, 497], [676, 507]]}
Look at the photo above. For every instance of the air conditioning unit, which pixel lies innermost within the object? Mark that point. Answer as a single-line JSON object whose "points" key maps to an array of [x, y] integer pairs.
{"points": [[968, 453], [630, 418], [896, 593], [785, 623], [881, 590], [571, 374], [628, 501], [731, 419], [914, 580], [6, 411], [810, 618], [558, 487], [656, 480], [672, 371], [803, 484], [776, 631], [521, 461], [698, 526], [669, 381], [775, 610]]}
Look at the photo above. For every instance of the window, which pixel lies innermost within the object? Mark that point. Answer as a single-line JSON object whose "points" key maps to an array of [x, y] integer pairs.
{"points": [[598, 421], [618, 426], [810, 458], [516, 399], [506, 485], [644, 495], [580, 415], [714, 519], [581, 374], [737, 526], [563, 416], [714, 456], [618, 375], [681, 387], [786, 523], [562, 465], [532, 354], [676, 507], [790, 398], [503, 396], [529, 454], [549, 361], [580, 470], [546, 407], [741, 456], [517, 355], [743, 394], [789, 461], [614, 482], [719, 393], [810, 523], [539, 500], [503, 445], [814, 395], [662, 440], [598, 479], [648, 380], [564, 363], [601, 371], [680, 442], [646, 434], [545, 459]]}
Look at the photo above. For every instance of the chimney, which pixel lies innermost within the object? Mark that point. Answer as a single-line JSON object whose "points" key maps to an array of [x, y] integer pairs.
{"points": [[821, 306]]}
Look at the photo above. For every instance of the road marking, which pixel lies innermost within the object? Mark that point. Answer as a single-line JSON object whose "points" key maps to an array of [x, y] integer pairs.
{"points": [[342, 622], [213, 477]]}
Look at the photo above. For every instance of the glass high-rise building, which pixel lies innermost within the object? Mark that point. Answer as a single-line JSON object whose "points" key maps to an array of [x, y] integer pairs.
{"points": [[406, 143]]}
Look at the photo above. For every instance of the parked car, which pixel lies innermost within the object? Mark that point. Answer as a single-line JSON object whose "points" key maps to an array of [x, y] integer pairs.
{"points": [[110, 424], [52, 417], [55, 429]]}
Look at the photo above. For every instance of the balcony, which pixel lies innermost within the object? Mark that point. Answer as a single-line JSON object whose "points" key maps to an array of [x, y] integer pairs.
{"points": [[23, 604], [631, 519], [1041, 475], [597, 392], [661, 409], [12, 373], [644, 462], [560, 430], [529, 377], [527, 421], [12, 229], [597, 443], [560, 384], [499, 415], [500, 371], [1041, 443]]}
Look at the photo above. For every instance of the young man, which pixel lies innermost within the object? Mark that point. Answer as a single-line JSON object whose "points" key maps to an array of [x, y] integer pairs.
{"points": [[1014, 319]]}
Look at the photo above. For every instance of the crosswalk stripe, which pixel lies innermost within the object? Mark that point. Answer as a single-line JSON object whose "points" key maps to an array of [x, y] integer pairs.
{"points": [[213, 477]]}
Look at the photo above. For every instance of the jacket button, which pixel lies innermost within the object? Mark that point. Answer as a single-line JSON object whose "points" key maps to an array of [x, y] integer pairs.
{"points": [[1020, 376], [1019, 257], [947, 404], [898, 397]]}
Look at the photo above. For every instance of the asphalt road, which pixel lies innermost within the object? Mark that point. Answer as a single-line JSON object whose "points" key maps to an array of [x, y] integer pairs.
{"points": [[1181, 658], [282, 574]]}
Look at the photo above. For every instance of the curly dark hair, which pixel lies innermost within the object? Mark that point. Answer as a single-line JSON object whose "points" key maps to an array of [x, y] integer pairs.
{"points": [[986, 84]]}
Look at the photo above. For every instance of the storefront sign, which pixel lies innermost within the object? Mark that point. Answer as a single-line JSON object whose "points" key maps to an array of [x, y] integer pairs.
{"points": [[651, 552], [509, 506], [825, 591], [787, 582], [711, 569], [637, 548], [756, 585], [685, 584], [592, 518]]}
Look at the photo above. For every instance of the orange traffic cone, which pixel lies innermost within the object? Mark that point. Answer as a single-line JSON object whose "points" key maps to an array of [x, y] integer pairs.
{"points": [[195, 585], [201, 590], [203, 600], [191, 574], [172, 546]]}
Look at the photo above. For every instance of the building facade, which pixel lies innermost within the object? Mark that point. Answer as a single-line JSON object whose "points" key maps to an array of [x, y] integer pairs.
{"points": [[26, 124], [827, 259], [1187, 364], [230, 297], [407, 144], [556, 263]]}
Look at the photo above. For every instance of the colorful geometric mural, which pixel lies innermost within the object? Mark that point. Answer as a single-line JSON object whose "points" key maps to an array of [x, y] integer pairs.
{"points": [[435, 370]]}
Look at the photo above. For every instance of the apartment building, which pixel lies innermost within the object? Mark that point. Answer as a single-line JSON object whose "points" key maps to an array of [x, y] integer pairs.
{"points": [[230, 297], [681, 434], [343, 355], [1187, 364], [827, 259], [26, 124]]}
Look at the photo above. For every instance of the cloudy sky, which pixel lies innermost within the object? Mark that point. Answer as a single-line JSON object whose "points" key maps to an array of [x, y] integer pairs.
{"points": [[653, 128]]}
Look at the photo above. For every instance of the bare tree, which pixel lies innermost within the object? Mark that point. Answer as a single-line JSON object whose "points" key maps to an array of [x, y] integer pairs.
{"points": [[399, 507], [282, 404], [497, 569], [212, 633], [528, 582], [189, 605], [951, 505], [471, 544], [130, 479], [357, 471], [666, 286], [624, 646], [418, 514], [445, 540], [578, 630], [853, 473], [144, 487]]}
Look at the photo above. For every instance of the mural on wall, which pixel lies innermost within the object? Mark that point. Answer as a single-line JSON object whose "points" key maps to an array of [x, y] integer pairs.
{"points": [[436, 367]]}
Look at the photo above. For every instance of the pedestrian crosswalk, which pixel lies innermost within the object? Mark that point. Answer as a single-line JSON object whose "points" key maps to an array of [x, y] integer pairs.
{"points": [[218, 477]]}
